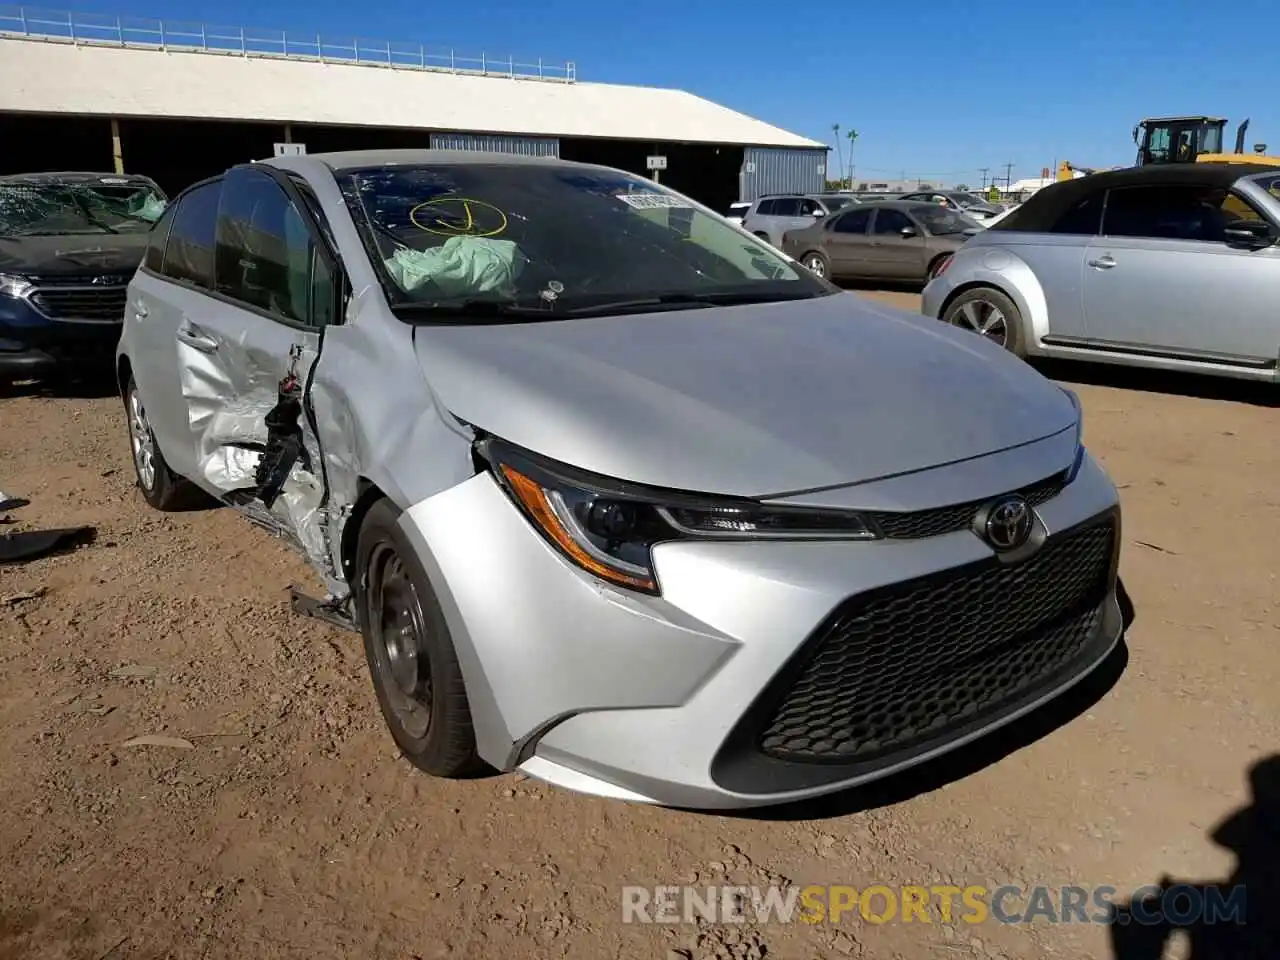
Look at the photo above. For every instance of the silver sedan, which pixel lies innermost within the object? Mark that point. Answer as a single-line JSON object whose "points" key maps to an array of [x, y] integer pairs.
{"points": [[617, 494]]}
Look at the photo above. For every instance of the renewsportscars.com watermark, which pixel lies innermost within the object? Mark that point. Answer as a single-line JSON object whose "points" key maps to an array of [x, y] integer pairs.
{"points": [[1180, 904]]}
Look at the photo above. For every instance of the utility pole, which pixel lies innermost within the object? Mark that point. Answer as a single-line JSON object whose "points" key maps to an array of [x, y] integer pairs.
{"points": [[1008, 174], [835, 130], [983, 171]]}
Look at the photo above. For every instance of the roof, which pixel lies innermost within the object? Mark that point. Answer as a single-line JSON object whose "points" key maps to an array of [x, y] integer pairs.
{"points": [[88, 78], [1047, 206], [354, 159]]}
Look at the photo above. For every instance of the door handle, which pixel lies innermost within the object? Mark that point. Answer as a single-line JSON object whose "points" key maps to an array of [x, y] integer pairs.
{"points": [[140, 311], [196, 341], [1105, 262]]}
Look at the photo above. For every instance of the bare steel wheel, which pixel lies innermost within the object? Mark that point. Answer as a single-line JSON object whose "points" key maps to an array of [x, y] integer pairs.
{"points": [[401, 659], [412, 660], [989, 313]]}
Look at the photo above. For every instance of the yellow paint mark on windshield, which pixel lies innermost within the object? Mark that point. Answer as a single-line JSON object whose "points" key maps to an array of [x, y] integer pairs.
{"points": [[458, 217]]}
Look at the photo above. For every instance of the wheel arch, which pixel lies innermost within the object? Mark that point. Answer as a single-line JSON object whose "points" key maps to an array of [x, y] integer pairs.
{"points": [[1019, 285]]}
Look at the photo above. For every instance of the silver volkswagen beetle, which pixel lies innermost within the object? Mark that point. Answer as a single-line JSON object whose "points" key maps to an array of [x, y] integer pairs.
{"points": [[617, 495]]}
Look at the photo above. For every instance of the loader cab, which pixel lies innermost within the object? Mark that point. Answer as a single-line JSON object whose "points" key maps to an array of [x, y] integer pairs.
{"points": [[1177, 139]]}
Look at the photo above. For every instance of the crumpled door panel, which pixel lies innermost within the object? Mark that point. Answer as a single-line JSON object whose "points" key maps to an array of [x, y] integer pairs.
{"points": [[229, 392]]}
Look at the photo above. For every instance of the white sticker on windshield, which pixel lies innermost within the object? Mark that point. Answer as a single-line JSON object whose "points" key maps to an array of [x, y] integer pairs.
{"points": [[654, 201]]}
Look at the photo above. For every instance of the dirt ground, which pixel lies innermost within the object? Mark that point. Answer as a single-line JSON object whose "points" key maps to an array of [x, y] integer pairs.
{"points": [[285, 825]]}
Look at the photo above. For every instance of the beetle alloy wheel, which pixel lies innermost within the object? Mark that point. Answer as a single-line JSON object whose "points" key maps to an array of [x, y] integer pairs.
{"points": [[401, 638], [984, 318]]}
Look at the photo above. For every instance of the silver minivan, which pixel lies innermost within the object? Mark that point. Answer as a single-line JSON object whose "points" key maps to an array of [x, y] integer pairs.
{"points": [[770, 217], [1172, 267]]}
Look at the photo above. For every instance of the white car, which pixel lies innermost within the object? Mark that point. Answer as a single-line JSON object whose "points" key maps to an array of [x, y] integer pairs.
{"points": [[737, 211]]}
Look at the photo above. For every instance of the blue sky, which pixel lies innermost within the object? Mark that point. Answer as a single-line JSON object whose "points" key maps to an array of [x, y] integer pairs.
{"points": [[934, 88]]}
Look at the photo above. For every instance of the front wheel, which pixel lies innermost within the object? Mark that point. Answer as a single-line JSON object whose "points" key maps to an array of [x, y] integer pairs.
{"points": [[817, 264], [989, 313], [411, 656]]}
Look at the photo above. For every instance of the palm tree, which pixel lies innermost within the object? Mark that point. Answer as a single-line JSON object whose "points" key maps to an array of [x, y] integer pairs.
{"points": [[835, 130], [853, 138]]}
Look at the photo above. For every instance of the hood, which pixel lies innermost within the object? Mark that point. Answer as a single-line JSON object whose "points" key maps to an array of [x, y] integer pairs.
{"points": [[73, 254], [755, 400]]}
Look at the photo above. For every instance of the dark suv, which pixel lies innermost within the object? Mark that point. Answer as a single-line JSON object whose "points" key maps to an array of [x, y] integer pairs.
{"points": [[69, 245]]}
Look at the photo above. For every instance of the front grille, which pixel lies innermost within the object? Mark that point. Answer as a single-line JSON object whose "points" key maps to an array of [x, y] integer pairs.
{"points": [[893, 669], [933, 523], [81, 303]]}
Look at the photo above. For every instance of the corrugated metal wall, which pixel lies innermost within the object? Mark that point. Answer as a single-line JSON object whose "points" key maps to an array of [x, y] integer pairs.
{"points": [[490, 143], [782, 170]]}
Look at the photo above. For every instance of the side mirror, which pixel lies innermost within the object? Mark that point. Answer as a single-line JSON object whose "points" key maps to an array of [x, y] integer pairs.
{"points": [[1249, 234], [819, 213], [909, 232]]}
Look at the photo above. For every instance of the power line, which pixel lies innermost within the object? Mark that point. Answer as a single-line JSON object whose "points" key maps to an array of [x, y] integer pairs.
{"points": [[1008, 173], [984, 171]]}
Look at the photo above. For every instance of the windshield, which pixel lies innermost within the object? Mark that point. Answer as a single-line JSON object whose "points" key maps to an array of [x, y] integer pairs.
{"points": [[942, 221], [837, 203], [52, 209], [555, 239], [967, 199]]}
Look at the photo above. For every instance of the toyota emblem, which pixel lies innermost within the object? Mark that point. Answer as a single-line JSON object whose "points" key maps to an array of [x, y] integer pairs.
{"points": [[1009, 523]]}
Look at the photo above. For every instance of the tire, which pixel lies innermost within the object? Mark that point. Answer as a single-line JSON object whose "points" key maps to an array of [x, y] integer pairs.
{"points": [[161, 487], [988, 312], [817, 264], [412, 661], [761, 235]]}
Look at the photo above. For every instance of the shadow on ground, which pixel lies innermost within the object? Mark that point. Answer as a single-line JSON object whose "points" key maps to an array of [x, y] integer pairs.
{"points": [[971, 758], [94, 387], [1230, 919], [1161, 381]]}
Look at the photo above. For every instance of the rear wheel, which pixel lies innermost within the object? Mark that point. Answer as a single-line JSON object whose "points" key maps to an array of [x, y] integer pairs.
{"points": [[989, 313], [817, 264], [411, 656], [160, 486]]}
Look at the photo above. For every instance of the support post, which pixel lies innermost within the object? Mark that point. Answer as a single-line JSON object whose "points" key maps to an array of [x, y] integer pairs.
{"points": [[288, 133], [117, 154]]}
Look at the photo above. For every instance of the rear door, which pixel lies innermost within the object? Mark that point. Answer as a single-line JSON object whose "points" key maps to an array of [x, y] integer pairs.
{"points": [[890, 254], [174, 280], [1162, 280], [277, 286], [846, 242]]}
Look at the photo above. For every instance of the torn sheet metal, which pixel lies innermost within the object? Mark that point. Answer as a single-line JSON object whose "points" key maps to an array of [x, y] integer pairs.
{"points": [[230, 394]]}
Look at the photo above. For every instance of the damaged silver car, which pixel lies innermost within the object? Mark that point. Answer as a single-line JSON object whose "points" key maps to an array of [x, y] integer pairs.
{"points": [[617, 494]]}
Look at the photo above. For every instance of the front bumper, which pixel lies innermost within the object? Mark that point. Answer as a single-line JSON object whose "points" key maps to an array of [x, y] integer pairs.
{"points": [[33, 345], [714, 695]]}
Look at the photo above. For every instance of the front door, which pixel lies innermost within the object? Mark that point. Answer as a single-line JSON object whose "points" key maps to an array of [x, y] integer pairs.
{"points": [[891, 255], [847, 240], [1162, 280], [247, 356]]}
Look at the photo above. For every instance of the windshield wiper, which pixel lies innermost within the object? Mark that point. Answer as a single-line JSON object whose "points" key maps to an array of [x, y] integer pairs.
{"points": [[677, 301]]}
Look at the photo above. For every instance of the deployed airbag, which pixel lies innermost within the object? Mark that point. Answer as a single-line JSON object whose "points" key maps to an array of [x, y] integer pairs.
{"points": [[461, 266]]}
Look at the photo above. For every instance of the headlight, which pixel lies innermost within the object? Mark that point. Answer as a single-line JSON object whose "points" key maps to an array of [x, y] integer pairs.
{"points": [[609, 528], [1077, 460], [11, 286]]}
